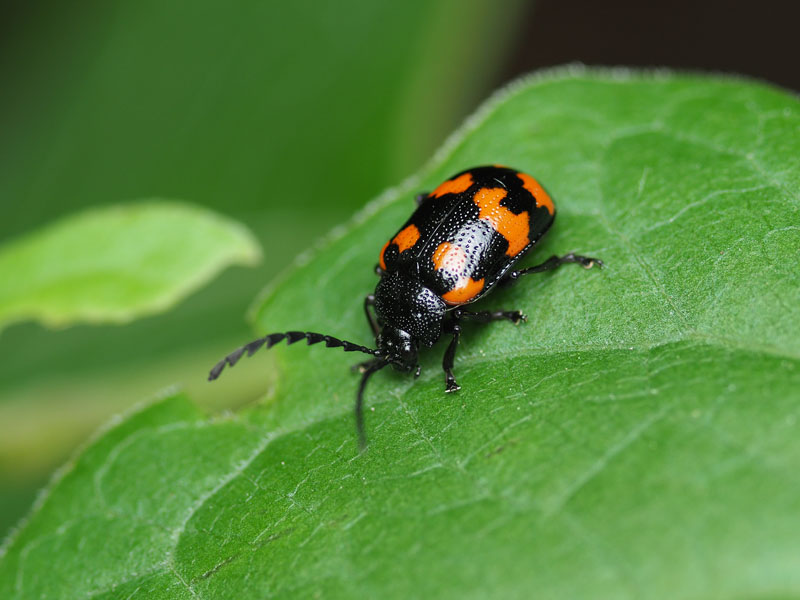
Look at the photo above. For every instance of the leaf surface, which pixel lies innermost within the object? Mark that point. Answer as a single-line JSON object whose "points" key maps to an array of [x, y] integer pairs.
{"points": [[638, 438]]}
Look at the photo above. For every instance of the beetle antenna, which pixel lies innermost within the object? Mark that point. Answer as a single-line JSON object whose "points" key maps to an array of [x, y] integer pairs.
{"points": [[372, 367], [291, 337]]}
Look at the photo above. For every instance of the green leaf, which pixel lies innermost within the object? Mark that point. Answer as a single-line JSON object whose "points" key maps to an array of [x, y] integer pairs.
{"points": [[112, 265], [638, 438]]}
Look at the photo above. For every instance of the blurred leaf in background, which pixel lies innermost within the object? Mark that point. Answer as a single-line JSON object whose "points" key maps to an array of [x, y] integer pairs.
{"points": [[285, 115], [116, 264]]}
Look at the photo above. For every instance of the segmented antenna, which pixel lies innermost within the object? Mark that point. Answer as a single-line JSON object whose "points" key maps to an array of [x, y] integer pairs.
{"points": [[291, 337]]}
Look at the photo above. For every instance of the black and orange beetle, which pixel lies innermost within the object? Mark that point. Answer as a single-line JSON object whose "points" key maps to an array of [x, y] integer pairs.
{"points": [[462, 240]]}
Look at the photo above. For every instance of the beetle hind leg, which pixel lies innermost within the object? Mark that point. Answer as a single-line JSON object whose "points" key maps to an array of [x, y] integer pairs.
{"points": [[487, 316], [552, 263]]}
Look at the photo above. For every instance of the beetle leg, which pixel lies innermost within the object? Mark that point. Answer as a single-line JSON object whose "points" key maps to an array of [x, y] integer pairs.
{"points": [[369, 300], [447, 362], [486, 316], [362, 366], [420, 198], [553, 263], [370, 367]]}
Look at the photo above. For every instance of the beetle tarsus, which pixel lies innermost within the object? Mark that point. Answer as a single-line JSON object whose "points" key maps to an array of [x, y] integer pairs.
{"points": [[451, 385]]}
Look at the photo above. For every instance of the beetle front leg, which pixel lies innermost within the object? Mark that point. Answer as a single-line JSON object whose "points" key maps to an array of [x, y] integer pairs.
{"points": [[362, 366], [369, 300], [447, 363]]}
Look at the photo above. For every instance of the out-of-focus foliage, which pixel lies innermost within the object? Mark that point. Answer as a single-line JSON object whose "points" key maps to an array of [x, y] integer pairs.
{"points": [[115, 264]]}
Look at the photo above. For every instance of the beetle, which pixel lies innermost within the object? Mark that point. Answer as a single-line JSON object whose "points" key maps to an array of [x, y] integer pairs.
{"points": [[463, 240]]}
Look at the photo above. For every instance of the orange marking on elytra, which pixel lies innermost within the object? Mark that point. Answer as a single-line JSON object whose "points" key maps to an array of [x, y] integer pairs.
{"points": [[406, 238], [454, 186], [453, 259], [515, 228], [381, 261], [537, 191], [450, 258], [466, 289]]}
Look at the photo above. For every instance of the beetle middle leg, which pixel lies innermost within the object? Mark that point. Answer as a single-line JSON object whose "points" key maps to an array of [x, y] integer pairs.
{"points": [[484, 316], [449, 357], [554, 262]]}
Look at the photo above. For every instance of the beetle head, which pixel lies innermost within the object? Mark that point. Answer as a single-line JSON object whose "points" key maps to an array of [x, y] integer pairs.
{"points": [[398, 348]]}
